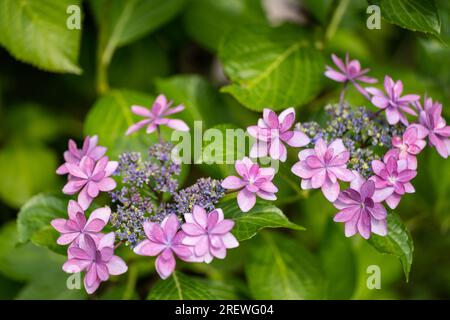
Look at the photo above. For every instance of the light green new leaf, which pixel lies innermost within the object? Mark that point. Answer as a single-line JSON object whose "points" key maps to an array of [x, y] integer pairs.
{"points": [[36, 32], [111, 116], [179, 287], [397, 242], [415, 15], [279, 268], [262, 215], [271, 67], [208, 21], [26, 171]]}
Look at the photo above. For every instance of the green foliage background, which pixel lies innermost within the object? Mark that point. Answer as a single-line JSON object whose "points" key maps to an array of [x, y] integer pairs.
{"points": [[226, 61]]}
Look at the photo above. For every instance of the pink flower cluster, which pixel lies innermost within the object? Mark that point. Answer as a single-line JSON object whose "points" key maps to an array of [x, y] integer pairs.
{"points": [[89, 250], [271, 133], [89, 171], [325, 165], [202, 238], [360, 205]]}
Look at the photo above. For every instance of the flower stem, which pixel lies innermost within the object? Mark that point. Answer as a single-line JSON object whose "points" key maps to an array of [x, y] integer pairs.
{"points": [[158, 131], [338, 14], [118, 244], [342, 95], [376, 114], [131, 282]]}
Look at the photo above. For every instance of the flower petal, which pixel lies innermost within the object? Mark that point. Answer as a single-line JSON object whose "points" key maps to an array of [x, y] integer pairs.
{"points": [[149, 248], [246, 200], [176, 124], [116, 266], [330, 190], [233, 182]]}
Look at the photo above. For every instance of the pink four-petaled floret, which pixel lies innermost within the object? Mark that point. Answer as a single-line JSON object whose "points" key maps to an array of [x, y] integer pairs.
{"points": [[323, 166], [254, 181], [272, 132], [97, 259], [157, 116]]}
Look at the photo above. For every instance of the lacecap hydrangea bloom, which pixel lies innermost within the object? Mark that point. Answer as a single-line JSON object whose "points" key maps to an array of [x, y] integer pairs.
{"points": [[148, 213], [363, 158]]}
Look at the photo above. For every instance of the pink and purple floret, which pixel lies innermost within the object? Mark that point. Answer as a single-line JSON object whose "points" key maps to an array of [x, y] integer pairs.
{"points": [[201, 235]]}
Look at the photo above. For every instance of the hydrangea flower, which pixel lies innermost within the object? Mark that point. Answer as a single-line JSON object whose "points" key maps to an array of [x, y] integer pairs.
{"points": [[272, 132], [74, 155], [393, 176], [350, 71], [361, 208], [409, 145], [76, 227], [157, 116], [362, 131], [209, 234], [131, 210], [395, 105], [90, 177], [163, 167], [254, 181], [205, 192], [323, 166], [164, 241], [438, 131], [98, 261]]}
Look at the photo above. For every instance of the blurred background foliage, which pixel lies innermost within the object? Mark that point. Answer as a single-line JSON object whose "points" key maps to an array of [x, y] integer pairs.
{"points": [[212, 55]]}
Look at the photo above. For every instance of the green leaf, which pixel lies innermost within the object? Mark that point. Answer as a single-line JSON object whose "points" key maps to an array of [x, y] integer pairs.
{"points": [[35, 123], [148, 60], [221, 149], [33, 221], [262, 215], [126, 21], [38, 267], [37, 213], [208, 21], [8, 288], [271, 67], [279, 268], [51, 286], [397, 242], [110, 118], [35, 32], [179, 287], [46, 237], [338, 262], [221, 290], [25, 171], [122, 22], [444, 13], [415, 15], [320, 9]]}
